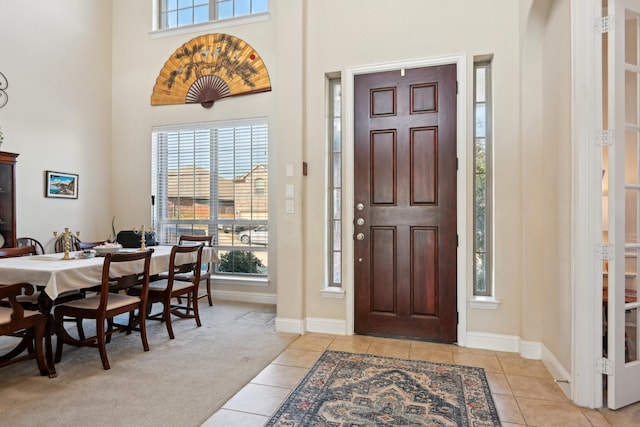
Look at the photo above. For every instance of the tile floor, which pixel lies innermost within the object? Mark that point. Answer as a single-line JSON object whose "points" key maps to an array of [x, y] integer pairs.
{"points": [[523, 390]]}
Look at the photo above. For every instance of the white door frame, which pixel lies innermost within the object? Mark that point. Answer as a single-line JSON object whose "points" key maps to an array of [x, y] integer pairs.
{"points": [[348, 188], [586, 286]]}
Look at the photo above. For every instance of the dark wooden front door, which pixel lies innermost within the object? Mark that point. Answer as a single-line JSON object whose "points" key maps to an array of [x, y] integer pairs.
{"points": [[405, 203]]}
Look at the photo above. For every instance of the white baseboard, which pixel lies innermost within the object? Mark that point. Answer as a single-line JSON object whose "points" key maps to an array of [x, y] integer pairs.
{"points": [[558, 372], [509, 343], [255, 297], [326, 326], [531, 350], [495, 342], [292, 326]]}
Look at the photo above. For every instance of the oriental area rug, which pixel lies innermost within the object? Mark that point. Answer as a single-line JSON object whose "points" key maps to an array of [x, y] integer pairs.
{"points": [[350, 389]]}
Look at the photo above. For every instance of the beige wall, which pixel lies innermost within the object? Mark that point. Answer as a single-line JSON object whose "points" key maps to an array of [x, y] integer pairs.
{"points": [[57, 61], [80, 102]]}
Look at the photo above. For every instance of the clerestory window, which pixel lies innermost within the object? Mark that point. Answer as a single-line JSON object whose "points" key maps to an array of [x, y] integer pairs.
{"points": [[180, 13]]}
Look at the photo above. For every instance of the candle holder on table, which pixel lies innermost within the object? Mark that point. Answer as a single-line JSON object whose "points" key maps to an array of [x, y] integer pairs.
{"points": [[66, 235], [141, 232]]}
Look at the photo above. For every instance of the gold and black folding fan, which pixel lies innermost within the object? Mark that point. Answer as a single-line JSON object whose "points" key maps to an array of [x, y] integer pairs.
{"points": [[208, 68]]}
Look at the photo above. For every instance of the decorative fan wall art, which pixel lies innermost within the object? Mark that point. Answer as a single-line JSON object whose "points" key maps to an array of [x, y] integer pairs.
{"points": [[208, 68]]}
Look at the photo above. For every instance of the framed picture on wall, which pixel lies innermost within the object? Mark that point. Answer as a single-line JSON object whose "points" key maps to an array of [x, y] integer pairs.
{"points": [[61, 185]]}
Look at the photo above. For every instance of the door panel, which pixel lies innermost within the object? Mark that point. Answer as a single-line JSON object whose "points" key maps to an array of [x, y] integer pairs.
{"points": [[405, 184], [623, 307]]}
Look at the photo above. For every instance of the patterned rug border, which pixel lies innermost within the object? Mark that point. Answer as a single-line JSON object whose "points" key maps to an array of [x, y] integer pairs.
{"points": [[334, 378]]}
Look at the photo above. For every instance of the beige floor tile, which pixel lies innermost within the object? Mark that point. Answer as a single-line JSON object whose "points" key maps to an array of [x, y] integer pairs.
{"points": [[280, 376], [508, 410], [487, 362], [511, 424], [623, 417], [431, 355], [354, 338], [299, 358], [404, 344], [388, 350], [508, 354], [432, 346], [498, 383], [226, 418], [536, 387], [528, 367], [349, 346], [547, 413], [461, 350], [320, 335], [596, 418], [258, 399], [312, 342]]}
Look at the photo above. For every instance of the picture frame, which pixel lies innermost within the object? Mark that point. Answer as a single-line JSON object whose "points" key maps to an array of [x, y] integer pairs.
{"points": [[61, 185]]}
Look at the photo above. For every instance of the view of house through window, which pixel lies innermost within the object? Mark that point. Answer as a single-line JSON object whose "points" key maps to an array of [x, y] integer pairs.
{"points": [[179, 13], [482, 179], [335, 174], [211, 179]]}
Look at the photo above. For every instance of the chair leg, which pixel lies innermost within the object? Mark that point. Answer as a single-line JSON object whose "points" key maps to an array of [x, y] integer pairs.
{"points": [[49, 349], [110, 327], [196, 313], [209, 292], [102, 343], [166, 308], [40, 330], [80, 328], [142, 324], [61, 333]]}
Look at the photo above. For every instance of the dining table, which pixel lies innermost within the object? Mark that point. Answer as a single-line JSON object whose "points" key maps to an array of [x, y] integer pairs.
{"points": [[54, 275]]}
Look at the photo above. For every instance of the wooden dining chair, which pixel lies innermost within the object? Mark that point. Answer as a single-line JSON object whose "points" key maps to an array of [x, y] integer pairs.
{"points": [[207, 268], [21, 251], [104, 306], [74, 243], [29, 327], [28, 300], [30, 241], [185, 262]]}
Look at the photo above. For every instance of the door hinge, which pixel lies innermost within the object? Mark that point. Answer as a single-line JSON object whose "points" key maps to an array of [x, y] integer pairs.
{"points": [[457, 240], [456, 87], [457, 318], [457, 162], [604, 366], [604, 24], [605, 138], [604, 252]]}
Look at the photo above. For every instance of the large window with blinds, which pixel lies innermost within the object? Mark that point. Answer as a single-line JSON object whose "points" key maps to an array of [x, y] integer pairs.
{"points": [[212, 179]]}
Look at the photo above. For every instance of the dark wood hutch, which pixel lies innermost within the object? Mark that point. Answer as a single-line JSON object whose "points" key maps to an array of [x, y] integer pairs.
{"points": [[7, 199]]}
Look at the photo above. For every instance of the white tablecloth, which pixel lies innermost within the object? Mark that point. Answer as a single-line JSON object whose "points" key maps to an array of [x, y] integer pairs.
{"points": [[58, 275]]}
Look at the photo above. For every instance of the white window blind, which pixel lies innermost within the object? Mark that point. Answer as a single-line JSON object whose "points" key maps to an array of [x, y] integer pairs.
{"points": [[211, 179]]}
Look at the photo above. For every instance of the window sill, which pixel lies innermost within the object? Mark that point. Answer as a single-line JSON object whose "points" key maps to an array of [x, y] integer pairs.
{"points": [[222, 279], [332, 293], [209, 26], [484, 303]]}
